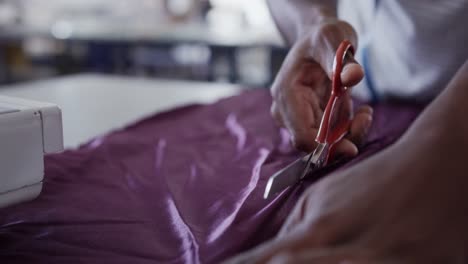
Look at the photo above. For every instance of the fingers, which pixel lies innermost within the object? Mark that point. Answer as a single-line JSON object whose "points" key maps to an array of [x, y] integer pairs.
{"points": [[275, 113], [298, 118], [346, 148], [296, 105], [307, 257], [325, 256], [294, 251], [292, 107], [259, 255], [303, 236], [302, 134], [361, 124], [300, 121]]}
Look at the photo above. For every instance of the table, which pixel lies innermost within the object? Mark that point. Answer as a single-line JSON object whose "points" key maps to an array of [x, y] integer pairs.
{"points": [[110, 46], [94, 104], [110, 31]]}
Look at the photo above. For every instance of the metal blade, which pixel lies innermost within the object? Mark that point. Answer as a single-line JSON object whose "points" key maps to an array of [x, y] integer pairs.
{"points": [[285, 177], [316, 159]]}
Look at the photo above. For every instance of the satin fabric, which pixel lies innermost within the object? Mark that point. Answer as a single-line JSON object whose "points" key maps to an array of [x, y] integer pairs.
{"points": [[184, 186]]}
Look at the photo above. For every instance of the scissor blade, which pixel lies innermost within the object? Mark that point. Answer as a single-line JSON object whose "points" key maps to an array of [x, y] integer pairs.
{"points": [[285, 177]]}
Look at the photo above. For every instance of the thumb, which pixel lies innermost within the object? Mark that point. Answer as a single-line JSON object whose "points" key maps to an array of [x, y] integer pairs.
{"points": [[352, 73], [327, 38]]}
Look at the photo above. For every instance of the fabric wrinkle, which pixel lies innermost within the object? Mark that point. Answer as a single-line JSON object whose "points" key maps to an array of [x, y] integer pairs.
{"points": [[243, 195], [184, 233], [159, 153], [237, 130]]}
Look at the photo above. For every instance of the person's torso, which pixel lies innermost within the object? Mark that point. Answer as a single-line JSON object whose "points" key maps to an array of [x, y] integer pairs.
{"points": [[411, 49]]}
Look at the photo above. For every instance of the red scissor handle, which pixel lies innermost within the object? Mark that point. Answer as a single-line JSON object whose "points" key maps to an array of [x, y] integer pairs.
{"points": [[326, 133]]}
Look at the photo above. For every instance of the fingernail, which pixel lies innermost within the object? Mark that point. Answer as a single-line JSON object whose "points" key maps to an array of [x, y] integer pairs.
{"points": [[344, 72], [347, 68]]}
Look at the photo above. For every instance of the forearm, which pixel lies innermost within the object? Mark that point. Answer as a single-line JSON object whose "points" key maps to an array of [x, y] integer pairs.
{"points": [[434, 151], [444, 121], [293, 17], [447, 114]]}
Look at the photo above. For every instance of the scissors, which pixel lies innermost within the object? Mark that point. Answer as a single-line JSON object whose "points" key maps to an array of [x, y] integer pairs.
{"points": [[330, 132]]}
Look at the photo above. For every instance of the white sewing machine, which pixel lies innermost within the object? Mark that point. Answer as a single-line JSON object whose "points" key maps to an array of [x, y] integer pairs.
{"points": [[28, 130]]}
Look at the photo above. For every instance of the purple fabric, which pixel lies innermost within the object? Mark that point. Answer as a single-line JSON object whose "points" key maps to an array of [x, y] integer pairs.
{"points": [[183, 186]]}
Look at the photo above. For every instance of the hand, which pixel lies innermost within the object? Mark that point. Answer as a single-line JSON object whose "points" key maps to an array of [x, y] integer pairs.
{"points": [[407, 204], [376, 213], [302, 87]]}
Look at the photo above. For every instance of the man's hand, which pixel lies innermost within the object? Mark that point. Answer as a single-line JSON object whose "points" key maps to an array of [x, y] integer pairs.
{"points": [[407, 204], [302, 86]]}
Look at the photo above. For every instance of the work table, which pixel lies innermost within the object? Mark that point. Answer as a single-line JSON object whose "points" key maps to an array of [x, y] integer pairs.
{"points": [[94, 104]]}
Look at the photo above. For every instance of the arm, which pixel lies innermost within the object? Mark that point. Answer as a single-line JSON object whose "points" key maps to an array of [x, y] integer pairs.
{"points": [[294, 17], [407, 204]]}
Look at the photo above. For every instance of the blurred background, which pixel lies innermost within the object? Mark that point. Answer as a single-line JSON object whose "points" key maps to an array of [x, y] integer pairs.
{"points": [[231, 41]]}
